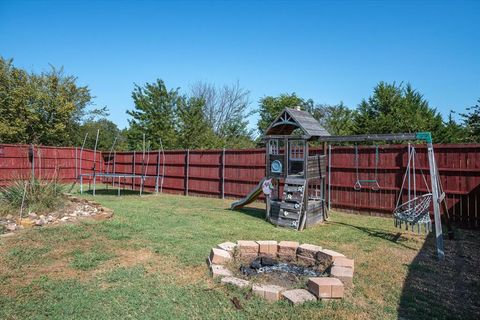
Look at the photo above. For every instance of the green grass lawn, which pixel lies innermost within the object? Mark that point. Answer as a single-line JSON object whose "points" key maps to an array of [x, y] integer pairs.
{"points": [[148, 262]]}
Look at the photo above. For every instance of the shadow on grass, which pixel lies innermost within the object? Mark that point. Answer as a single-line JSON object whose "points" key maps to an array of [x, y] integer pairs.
{"points": [[253, 212], [447, 289], [377, 233]]}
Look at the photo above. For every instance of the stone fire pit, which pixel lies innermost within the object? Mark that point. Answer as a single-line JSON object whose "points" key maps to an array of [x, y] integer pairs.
{"points": [[284, 270]]}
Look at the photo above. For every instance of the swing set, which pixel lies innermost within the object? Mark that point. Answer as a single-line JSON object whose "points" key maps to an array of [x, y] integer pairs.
{"points": [[415, 211]]}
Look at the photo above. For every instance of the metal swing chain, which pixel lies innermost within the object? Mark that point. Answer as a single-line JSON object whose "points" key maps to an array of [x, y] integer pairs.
{"points": [[358, 184], [356, 162]]}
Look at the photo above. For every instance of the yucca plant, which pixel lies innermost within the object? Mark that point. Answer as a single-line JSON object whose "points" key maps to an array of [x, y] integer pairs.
{"points": [[41, 195]]}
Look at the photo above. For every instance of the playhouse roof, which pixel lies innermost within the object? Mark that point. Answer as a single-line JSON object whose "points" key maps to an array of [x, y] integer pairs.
{"points": [[291, 119]]}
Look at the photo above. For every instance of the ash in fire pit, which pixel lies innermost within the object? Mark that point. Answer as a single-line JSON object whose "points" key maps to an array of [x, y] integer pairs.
{"points": [[264, 265]]}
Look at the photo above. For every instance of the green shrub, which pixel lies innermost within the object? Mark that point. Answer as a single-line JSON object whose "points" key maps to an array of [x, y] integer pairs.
{"points": [[40, 195]]}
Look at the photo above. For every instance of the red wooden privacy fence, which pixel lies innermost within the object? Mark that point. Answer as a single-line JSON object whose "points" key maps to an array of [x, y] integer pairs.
{"points": [[233, 173]]}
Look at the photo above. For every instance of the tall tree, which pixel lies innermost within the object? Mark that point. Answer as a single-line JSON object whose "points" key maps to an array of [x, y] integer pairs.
{"points": [[194, 130], [270, 107], [396, 108], [154, 115], [471, 122], [226, 110], [451, 132], [45, 108]]}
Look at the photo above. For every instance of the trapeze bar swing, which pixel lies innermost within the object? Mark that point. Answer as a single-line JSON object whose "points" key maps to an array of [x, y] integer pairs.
{"points": [[360, 183]]}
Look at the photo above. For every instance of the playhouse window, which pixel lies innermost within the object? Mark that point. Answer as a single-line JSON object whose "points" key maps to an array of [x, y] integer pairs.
{"points": [[296, 156]]}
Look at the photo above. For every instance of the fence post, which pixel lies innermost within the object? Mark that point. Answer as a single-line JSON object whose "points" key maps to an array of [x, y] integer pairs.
{"points": [[76, 164], [223, 173], [33, 161], [114, 169], [329, 175], [158, 171], [133, 170], [187, 165]]}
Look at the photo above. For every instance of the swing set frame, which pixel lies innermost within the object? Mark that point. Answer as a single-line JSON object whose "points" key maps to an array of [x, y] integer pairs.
{"points": [[425, 137]]}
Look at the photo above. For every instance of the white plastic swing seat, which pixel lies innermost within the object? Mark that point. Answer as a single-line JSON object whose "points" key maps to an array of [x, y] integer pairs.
{"points": [[415, 210]]}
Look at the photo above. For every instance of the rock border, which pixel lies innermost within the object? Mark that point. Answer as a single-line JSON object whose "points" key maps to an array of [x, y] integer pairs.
{"points": [[13, 225], [318, 288]]}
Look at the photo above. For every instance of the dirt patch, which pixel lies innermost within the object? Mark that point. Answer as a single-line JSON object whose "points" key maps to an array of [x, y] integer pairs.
{"points": [[57, 265], [453, 285]]}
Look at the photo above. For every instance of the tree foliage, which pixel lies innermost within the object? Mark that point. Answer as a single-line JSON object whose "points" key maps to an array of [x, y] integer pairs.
{"points": [[396, 108], [271, 107], [155, 115], [209, 118], [226, 111], [471, 122], [336, 119], [50, 108], [108, 134], [45, 108], [194, 130]]}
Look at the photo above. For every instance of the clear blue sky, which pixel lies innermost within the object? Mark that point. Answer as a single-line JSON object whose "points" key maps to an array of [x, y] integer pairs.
{"points": [[327, 51]]}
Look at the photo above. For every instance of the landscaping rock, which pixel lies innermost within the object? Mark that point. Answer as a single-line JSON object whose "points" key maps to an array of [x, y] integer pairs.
{"points": [[267, 248], [343, 273], [32, 215], [227, 246], [39, 222], [220, 256], [326, 288], [269, 292], [27, 223], [9, 217], [287, 250], [11, 227], [220, 271], [237, 282], [298, 296], [64, 219]]}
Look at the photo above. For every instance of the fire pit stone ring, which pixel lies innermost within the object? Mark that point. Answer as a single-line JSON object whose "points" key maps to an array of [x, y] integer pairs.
{"points": [[325, 272]]}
